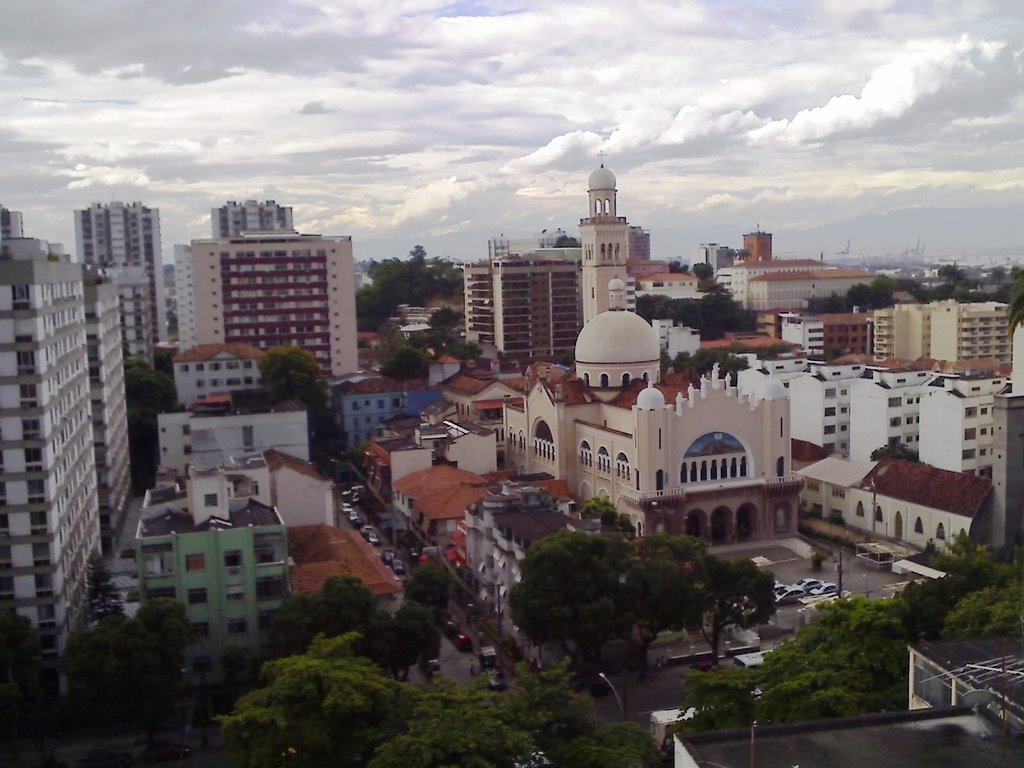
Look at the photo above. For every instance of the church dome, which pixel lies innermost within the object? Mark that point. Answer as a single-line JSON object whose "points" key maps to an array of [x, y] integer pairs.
{"points": [[650, 399], [602, 178], [617, 337]]}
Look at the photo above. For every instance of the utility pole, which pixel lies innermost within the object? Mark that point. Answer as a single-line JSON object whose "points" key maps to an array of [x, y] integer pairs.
{"points": [[839, 571]]}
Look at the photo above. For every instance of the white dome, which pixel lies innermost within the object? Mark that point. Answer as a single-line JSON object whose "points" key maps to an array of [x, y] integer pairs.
{"points": [[617, 337], [602, 178], [650, 399], [616, 284], [774, 389]]}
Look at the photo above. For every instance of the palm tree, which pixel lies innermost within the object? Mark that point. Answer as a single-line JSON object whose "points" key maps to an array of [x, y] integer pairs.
{"points": [[1015, 312]]}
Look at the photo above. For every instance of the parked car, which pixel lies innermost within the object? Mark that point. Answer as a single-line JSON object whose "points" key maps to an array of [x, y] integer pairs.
{"points": [[162, 751], [387, 557], [366, 530], [373, 538], [100, 758], [497, 682], [827, 588], [488, 657], [463, 642], [808, 584], [790, 596], [398, 566]]}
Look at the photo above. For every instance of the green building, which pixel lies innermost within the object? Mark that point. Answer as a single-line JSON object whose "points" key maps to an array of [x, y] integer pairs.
{"points": [[222, 552]]}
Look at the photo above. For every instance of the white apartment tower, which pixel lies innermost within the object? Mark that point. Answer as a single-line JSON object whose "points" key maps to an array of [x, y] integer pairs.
{"points": [[274, 289], [109, 409], [48, 519], [125, 241], [10, 224], [233, 219], [184, 297], [605, 239]]}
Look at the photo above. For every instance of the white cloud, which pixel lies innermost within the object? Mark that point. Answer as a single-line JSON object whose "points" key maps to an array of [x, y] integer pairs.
{"points": [[434, 197], [104, 176]]}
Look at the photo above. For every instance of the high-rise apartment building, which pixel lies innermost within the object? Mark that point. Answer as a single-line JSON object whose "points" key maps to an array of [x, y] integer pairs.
{"points": [[639, 243], [272, 290], [109, 410], [48, 503], [233, 219], [10, 224], [184, 299], [125, 241], [523, 306], [944, 330]]}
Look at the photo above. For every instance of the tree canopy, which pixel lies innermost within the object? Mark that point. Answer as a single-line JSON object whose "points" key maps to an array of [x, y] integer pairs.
{"points": [[714, 313], [292, 373], [735, 592], [148, 393], [414, 281], [104, 598]]}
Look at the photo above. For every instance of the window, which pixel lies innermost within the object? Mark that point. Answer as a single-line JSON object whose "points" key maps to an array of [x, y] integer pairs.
{"points": [[210, 499], [895, 402], [195, 562], [968, 453], [830, 429], [265, 620], [940, 532], [235, 592], [201, 628], [830, 392], [269, 587], [197, 596], [233, 558], [970, 433], [839, 493], [970, 413], [918, 526], [247, 437], [186, 429], [830, 411], [152, 593], [237, 626]]}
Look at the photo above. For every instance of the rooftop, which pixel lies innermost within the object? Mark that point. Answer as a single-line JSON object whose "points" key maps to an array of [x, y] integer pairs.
{"points": [[322, 551], [278, 460], [958, 493], [242, 513], [205, 352]]}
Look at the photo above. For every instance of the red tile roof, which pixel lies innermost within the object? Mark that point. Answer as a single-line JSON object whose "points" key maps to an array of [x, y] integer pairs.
{"points": [[753, 342], [322, 551], [278, 460], [671, 385], [205, 352], [807, 452], [380, 384], [467, 385], [815, 274], [917, 483], [669, 277], [433, 479]]}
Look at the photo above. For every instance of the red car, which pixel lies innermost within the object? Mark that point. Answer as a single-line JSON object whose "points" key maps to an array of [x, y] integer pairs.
{"points": [[463, 642], [162, 751]]}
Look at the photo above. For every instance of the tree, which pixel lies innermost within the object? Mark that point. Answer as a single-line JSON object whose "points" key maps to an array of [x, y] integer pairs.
{"points": [[342, 605], [570, 593], [895, 451], [327, 707], [292, 373], [104, 599], [1015, 312], [735, 592], [19, 654], [703, 271], [852, 661], [721, 698], [397, 642], [456, 726], [566, 241], [147, 394], [662, 586], [129, 670], [429, 586], [989, 612], [602, 509], [465, 350], [405, 363], [703, 361]]}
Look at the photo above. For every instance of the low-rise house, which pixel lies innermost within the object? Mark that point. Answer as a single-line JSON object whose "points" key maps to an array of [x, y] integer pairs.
{"points": [[320, 552], [464, 444], [216, 369], [220, 549], [361, 406], [387, 461], [432, 502], [302, 493]]}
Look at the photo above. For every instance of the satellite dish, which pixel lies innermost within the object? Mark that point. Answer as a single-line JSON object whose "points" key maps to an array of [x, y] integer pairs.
{"points": [[977, 699]]}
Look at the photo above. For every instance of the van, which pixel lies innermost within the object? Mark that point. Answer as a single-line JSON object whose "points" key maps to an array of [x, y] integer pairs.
{"points": [[755, 659], [488, 657]]}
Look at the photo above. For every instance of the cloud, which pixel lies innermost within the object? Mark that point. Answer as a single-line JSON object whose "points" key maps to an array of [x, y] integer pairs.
{"points": [[436, 196], [314, 108], [104, 176]]}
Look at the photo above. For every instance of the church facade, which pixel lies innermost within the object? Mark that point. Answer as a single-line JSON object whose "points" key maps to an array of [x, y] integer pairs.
{"points": [[677, 456]]}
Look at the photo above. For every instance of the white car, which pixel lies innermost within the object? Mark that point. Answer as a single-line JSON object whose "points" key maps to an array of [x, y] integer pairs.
{"points": [[790, 596], [827, 588], [808, 584]]}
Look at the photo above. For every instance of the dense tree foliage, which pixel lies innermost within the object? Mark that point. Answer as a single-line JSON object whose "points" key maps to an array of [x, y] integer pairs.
{"points": [[129, 670], [429, 585], [406, 362], [341, 606], [19, 654], [714, 313], [599, 508], [570, 593], [703, 361], [735, 592], [326, 708], [703, 271], [414, 281], [292, 373], [148, 393], [895, 451], [104, 598]]}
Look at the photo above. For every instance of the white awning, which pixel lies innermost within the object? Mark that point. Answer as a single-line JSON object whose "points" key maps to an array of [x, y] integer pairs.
{"points": [[909, 566]]}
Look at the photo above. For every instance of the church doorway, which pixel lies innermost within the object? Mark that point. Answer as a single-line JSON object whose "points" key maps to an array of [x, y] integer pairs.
{"points": [[721, 531], [783, 515], [746, 522], [898, 527], [695, 524]]}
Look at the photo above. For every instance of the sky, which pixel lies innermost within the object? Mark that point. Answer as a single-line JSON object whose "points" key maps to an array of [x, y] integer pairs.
{"points": [[877, 123]]}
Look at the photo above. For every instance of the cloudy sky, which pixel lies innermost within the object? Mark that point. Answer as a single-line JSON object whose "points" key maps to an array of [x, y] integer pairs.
{"points": [[424, 121]]}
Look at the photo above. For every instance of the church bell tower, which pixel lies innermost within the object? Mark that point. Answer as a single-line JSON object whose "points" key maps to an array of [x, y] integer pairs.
{"points": [[605, 239]]}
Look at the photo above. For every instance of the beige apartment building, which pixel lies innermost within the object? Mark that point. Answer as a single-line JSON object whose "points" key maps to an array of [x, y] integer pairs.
{"points": [[943, 330], [523, 306], [275, 289], [793, 290]]}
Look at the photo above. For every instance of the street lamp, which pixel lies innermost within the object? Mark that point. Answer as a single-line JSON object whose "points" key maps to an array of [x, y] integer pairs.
{"points": [[618, 698]]}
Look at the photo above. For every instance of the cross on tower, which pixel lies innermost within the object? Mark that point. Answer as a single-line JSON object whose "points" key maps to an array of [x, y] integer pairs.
{"points": [[601, 154]]}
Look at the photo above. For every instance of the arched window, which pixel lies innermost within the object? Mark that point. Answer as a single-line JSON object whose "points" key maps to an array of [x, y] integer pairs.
{"points": [[647, 377], [940, 532], [743, 466], [604, 461], [586, 457], [604, 381], [625, 379], [659, 480], [703, 470], [714, 470], [622, 465], [780, 466], [683, 474], [918, 526], [878, 514], [860, 509], [693, 472], [732, 467]]}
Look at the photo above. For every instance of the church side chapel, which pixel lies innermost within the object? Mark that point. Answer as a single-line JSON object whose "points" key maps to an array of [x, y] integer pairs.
{"points": [[677, 456]]}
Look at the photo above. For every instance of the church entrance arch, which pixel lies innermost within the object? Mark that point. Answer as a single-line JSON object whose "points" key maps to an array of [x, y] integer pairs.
{"points": [[746, 522], [695, 524], [783, 518], [721, 525], [585, 492]]}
